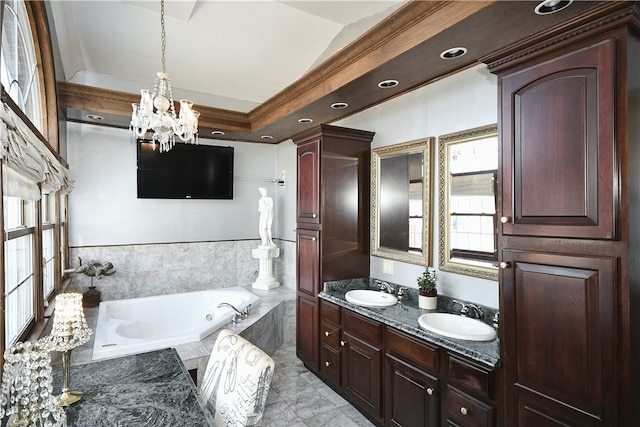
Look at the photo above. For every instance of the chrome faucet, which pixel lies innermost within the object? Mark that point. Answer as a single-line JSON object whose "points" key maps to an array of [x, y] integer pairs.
{"points": [[468, 309], [385, 286], [238, 315]]}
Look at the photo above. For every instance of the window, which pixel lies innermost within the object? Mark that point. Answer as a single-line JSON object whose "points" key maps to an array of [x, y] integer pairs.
{"points": [[18, 63], [19, 286], [468, 211], [48, 245], [28, 78]]}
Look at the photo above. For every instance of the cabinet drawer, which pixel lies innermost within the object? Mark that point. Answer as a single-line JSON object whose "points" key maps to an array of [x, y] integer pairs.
{"points": [[329, 312], [329, 335], [330, 365], [464, 410], [465, 375], [411, 350], [363, 328]]}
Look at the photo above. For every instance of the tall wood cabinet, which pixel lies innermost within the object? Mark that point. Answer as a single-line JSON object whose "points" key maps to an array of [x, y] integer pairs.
{"points": [[332, 213], [570, 203]]}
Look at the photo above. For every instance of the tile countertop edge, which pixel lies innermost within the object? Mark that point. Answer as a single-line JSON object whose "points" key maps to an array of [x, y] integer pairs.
{"points": [[485, 353]]}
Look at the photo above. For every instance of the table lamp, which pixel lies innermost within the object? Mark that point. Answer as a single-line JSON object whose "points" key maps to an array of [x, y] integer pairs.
{"points": [[69, 331], [26, 394]]}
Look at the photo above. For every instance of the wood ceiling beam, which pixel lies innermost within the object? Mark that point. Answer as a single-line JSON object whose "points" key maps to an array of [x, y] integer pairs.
{"points": [[412, 24], [106, 101]]}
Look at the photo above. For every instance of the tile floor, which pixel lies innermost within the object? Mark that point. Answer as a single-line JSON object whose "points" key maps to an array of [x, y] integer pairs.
{"points": [[297, 398]]}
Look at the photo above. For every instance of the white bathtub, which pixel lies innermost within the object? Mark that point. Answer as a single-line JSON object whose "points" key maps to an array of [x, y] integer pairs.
{"points": [[137, 325]]}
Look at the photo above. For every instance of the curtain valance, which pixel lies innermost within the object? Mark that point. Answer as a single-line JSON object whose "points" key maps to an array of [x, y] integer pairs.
{"points": [[28, 161]]}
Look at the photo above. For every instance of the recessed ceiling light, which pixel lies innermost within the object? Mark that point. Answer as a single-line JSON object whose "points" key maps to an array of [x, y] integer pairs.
{"points": [[217, 132], [305, 120], [386, 84], [552, 6], [266, 137], [454, 52], [339, 105], [95, 117]]}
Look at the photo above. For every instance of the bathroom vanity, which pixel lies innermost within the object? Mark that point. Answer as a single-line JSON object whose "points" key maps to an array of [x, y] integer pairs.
{"points": [[399, 374]]}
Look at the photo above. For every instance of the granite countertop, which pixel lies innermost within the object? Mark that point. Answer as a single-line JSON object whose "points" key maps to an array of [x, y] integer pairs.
{"points": [[147, 389], [405, 318]]}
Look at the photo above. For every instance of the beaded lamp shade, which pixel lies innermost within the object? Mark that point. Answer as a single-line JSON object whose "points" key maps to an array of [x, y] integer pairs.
{"points": [[70, 328], [26, 394]]}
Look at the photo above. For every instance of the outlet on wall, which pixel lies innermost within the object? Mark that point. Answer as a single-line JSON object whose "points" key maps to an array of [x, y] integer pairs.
{"points": [[387, 266]]}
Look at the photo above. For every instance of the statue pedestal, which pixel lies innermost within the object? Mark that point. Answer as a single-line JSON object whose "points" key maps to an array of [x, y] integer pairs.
{"points": [[265, 254]]}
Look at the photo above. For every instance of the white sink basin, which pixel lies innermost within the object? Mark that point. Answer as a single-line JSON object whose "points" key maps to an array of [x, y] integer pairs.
{"points": [[456, 326], [369, 298]]}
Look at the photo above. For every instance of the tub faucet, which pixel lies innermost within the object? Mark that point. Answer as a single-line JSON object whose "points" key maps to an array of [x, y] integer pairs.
{"points": [[238, 315]]}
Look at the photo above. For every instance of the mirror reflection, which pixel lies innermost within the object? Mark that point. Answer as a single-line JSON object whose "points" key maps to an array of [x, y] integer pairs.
{"points": [[401, 207], [468, 211]]}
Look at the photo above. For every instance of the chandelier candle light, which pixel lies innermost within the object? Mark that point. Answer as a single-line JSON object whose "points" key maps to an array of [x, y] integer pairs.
{"points": [[26, 396], [69, 331], [156, 110]]}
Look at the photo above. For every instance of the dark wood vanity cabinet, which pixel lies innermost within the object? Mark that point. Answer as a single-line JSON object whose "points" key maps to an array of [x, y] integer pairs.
{"points": [[569, 281], [412, 384], [398, 380], [351, 357], [332, 214], [471, 394], [362, 363]]}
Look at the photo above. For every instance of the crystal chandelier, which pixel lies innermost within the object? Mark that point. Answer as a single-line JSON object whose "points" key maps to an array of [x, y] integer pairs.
{"points": [[156, 110]]}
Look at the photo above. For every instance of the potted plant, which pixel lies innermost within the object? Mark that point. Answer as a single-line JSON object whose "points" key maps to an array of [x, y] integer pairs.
{"points": [[427, 282]]}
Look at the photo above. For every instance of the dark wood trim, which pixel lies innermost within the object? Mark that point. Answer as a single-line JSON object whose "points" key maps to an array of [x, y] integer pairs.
{"points": [[107, 101], [44, 59]]}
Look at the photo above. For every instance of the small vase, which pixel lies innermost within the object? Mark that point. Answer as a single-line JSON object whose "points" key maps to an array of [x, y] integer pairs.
{"points": [[428, 300]]}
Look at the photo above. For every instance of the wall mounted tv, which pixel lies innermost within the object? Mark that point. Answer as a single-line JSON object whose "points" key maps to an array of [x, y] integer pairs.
{"points": [[187, 171]]}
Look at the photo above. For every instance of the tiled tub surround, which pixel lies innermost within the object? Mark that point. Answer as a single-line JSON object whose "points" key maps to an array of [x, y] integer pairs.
{"points": [[168, 268], [405, 318]]}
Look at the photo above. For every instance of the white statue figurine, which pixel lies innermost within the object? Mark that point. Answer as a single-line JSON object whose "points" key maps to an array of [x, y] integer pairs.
{"points": [[265, 207]]}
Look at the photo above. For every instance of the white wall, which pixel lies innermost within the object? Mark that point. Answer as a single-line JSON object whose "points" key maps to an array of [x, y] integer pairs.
{"points": [[104, 209], [463, 101], [285, 209]]}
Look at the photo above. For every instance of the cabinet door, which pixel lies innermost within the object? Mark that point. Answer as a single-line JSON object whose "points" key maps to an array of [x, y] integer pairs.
{"points": [[308, 196], [308, 262], [361, 375], [307, 331], [412, 396], [560, 350], [558, 158]]}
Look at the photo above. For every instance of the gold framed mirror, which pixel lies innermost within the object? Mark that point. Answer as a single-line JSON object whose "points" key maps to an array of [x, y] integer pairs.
{"points": [[401, 201], [467, 219]]}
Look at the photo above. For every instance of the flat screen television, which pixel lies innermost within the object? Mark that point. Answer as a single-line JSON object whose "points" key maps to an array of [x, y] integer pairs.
{"points": [[187, 171]]}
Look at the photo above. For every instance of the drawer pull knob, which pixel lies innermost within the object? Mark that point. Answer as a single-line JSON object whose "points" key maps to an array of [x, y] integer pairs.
{"points": [[327, 364], [464, 411], [505, 264], [313, 239], [327, 333], [343, 343], [313, 215], [430, 391], [505, 219]]}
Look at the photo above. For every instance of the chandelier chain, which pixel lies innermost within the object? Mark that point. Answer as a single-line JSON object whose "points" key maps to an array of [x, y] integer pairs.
{"points": [[163, 36], [156, 111]]}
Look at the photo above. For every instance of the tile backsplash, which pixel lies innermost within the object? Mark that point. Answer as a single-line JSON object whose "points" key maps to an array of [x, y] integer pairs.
{"points": [[167, 268]]}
